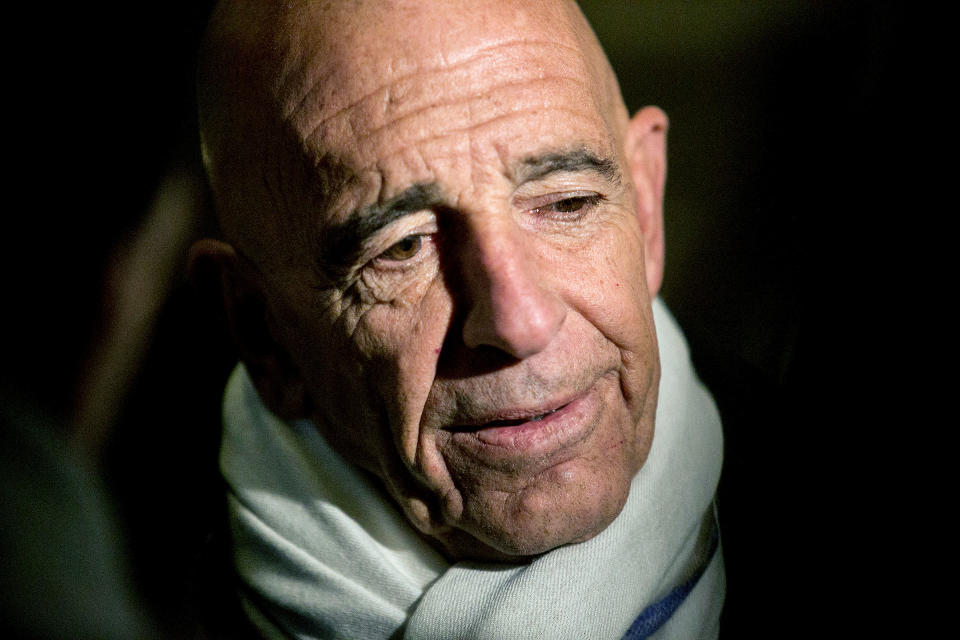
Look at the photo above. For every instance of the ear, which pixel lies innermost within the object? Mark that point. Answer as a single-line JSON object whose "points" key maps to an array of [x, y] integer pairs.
{"points": [[219, 273], [646, 151]]}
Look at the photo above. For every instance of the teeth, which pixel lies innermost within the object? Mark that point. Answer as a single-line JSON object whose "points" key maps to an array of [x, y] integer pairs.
{"points": [[542, 416]]}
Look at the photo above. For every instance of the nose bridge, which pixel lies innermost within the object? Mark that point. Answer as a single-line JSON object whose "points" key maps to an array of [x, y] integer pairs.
{"points": [[512, 304]]}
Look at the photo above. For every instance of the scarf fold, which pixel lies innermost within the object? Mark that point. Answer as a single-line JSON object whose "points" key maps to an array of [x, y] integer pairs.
{"points": [[323, 552]]}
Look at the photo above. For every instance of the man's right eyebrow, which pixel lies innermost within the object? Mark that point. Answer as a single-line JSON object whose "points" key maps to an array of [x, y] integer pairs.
{"points": [[342, 244]]}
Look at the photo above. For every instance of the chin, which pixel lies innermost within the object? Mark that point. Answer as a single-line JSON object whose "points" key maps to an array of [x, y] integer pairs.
{"points": [[544, 518]]}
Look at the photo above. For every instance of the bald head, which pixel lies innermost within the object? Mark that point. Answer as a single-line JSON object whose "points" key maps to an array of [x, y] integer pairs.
{"points": [[274, 76], [452, 232]]}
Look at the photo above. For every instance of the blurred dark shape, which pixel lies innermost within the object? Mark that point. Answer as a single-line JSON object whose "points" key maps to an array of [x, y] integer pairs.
{"points": [[105, 197], [138, 283], [64, 572]]}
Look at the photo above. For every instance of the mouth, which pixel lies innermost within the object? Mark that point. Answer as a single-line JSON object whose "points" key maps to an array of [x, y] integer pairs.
{"points": [[507, 422], [527, 432]]}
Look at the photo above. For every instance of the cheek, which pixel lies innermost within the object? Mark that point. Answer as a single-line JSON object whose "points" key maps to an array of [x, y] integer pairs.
{"points": [[361, 365], [610, 292], [400, 344], [605, 281]]}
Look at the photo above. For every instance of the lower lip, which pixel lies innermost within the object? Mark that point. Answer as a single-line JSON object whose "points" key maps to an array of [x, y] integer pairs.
{"points": [[562, 428]]}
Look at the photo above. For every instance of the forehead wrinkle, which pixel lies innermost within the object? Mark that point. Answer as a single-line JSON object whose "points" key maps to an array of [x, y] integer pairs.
{"points": [[470, 54], [423, 83], [506, 157], [404, 117], [476, 55], [475, 128]]}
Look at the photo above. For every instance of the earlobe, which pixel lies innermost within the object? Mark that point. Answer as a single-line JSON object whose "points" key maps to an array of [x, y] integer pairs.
{"points": [[646, 151], [216, 271]]}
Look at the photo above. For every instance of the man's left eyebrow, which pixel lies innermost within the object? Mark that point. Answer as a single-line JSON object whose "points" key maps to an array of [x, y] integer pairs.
{"points": [[538, 167], [342, 244]]}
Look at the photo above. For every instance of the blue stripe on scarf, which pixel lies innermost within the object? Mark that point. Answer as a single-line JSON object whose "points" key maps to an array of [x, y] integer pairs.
{"points": [[654, 616]]}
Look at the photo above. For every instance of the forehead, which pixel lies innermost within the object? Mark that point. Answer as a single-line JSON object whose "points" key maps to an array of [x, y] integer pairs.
{"points": [[419, 91]]}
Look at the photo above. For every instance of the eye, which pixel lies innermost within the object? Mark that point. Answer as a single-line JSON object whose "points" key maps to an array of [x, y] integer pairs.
{"points": [[569, 205], [573, 204], [403, 250]]}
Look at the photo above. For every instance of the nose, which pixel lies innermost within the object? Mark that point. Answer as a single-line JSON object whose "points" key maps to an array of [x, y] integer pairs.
{"points": [[512, 306]]}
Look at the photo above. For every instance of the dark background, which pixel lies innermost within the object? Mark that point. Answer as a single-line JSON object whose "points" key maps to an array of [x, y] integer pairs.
{"points": [[788, 183]]}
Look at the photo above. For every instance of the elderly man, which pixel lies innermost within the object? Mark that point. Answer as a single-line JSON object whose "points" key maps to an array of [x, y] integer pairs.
{"points": [[442, 247]]}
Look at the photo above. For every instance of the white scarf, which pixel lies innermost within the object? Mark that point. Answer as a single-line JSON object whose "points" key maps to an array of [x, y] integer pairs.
{"points": [[324, 553]]}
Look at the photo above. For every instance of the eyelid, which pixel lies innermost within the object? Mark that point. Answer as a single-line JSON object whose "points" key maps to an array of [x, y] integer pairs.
{"points": [[423, 223], [391, 237], [552, 198], [542, 204], [425, 241]]}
